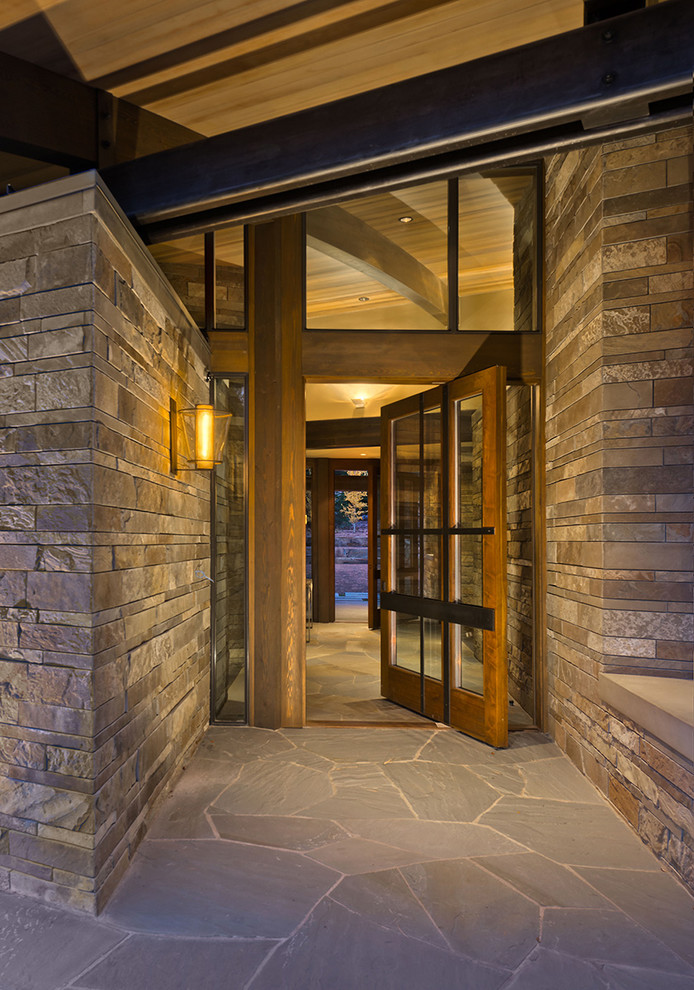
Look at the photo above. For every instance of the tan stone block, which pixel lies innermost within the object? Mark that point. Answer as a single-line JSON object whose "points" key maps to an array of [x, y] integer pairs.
{"points": [[17, 556], [672, 315], [12, 588], [15, 517], [679, 170], [59, 686], [55, 718], [72, 762], [671, 282], [17, 394], [66, 639], [21, 752], [635, 775], [13, 684], [52, 853], [49, 805], [627, 395], [73, 299], [674, 391], [55, 343], [59, 591], [65, 485], [624, 801], [64, 558], [65, 266], [53, 893], [64, 389], [13, 349], [640, 254], [671, 767]]}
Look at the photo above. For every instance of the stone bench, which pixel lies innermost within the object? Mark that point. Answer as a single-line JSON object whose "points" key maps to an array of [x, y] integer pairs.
{"points": [[663, 706]]}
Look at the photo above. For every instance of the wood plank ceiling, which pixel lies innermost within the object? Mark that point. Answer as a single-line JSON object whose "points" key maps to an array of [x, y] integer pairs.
{"points": [[218, 65]]}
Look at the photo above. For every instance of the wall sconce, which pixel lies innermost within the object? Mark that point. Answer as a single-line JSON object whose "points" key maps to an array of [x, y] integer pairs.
{"points": [[204, 432]]}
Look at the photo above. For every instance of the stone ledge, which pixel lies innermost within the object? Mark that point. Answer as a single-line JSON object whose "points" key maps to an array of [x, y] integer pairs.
{"points": [[663, 706]]}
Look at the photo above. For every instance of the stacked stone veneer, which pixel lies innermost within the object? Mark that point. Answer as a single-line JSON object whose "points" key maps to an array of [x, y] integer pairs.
{"points": [[104, 623], [619, 471], [519, 493]]}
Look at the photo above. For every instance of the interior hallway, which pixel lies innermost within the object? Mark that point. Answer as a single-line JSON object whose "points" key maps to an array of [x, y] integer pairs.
{"points": [[345, 858], [343, 674]]}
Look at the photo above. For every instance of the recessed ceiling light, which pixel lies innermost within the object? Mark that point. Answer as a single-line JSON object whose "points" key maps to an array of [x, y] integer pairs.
{"points": [[364, 298], [405, 219]]}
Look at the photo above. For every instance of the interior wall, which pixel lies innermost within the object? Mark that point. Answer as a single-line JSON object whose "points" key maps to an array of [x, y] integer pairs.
{"points": [[104, 624], [619, 472]]}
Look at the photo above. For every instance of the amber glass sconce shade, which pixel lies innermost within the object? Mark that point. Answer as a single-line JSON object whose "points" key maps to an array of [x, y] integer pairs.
{"points": [[204, 434]]}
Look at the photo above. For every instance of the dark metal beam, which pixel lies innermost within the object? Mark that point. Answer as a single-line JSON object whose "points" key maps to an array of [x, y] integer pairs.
{"points": [[49, 117], [536, 94]]}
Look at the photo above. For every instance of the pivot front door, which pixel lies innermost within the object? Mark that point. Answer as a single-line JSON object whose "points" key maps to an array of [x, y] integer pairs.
{"points": [[443, 555]]}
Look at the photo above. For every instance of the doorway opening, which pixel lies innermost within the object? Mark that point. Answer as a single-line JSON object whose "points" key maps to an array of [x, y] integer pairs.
{"points": [[344, 547]]}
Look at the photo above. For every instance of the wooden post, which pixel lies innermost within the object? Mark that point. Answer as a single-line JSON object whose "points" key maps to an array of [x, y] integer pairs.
{"points": [[277, 583]]}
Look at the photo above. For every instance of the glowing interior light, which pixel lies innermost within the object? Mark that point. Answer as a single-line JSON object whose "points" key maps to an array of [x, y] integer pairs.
{"points": [[204, 436]]}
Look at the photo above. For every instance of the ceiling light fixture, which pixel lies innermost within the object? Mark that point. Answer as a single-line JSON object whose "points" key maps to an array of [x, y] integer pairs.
{"points": [[405, 219], [364, 298]]}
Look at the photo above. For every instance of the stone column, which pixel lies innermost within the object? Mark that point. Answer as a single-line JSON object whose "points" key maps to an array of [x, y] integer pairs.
{"points": [[104, 628], [619, 463]]}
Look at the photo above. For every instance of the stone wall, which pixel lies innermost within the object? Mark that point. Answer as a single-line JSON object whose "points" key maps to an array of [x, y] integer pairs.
{"points": [[103, 622], [619, 471], [519, 490]]}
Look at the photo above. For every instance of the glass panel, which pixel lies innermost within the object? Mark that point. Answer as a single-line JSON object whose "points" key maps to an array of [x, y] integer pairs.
{"points": [[432, 566], [406, 471], [229, 254], [406, 564], [467, 651], [431, 468], [468, 466], [407, 645], [497, 250], [432, 649], [351, 542], [379, 262], [467, 570], [229, 676], [183, 263]]}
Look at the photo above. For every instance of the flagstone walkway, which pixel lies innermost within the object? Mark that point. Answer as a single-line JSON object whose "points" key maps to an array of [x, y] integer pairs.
{"points": [[384, 858]]}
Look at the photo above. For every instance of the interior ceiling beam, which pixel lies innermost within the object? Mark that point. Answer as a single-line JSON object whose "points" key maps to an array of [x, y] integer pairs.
{"points": [[349, 240], [393, 356], [66, 122], [603, 76]]}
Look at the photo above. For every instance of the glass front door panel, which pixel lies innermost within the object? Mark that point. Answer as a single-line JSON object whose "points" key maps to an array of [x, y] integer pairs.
{"points": [[469, 459], [468, 573], [431, 468], [407, 642], [444, 649], [432, 566], [406, 564], [406, 470], [431, 642], [467, 646]]}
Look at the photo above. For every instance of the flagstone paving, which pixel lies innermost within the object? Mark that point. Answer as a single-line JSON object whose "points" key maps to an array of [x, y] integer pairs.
{"points": [[347, 858]]}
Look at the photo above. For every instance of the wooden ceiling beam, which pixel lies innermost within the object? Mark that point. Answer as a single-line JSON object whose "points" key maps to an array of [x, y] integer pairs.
{"points": [[354, 243], [615, 70], [54, 119], [393, 355]]}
